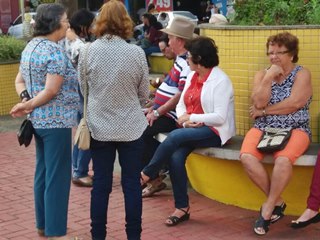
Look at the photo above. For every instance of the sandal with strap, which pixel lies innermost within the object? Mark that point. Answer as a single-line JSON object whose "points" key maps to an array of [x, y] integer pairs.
{"points": [[278, 212], [152, 189], [176, 220], [261, 226]]}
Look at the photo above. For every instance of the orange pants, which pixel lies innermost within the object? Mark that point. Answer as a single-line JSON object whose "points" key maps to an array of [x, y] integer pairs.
{"points": [[296, 146]]}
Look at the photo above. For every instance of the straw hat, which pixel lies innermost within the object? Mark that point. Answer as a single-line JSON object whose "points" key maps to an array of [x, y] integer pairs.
{"points": [[180, 27]]}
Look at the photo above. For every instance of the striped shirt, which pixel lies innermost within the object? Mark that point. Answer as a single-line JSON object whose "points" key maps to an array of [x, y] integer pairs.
{"points": [[172, 84]]}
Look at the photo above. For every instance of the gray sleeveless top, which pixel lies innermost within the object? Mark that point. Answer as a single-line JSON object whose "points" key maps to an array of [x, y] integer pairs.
{"points": [[296, 120]]}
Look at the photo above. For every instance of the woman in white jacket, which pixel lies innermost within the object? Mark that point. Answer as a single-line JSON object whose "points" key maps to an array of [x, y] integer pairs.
{"points": [[206, 112]]}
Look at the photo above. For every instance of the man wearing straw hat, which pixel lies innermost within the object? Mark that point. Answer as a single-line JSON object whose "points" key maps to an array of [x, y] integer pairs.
{"points": [[162, 116]]}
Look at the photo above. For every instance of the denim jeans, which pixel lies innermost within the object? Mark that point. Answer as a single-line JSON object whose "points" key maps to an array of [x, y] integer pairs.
{"points": [[103, 157], [161, 125], [149, 50], [80, 158], [80, 162], [174, 151]]}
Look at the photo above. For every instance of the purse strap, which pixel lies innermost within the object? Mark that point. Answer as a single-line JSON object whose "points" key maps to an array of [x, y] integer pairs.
{"points": [[30, 66], [85, 96]]}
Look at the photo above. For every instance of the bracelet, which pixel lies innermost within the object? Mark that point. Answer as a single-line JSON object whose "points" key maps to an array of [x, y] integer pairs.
{"points": [[24, 94]]}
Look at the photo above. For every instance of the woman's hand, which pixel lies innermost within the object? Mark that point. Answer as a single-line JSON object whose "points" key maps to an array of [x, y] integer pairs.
{"points": [[183, 118], [275, 72], [189, 124], [255, 113], [20, 109]]}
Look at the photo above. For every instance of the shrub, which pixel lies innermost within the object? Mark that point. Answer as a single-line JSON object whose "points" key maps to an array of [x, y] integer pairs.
{"points": [[10, 48], [277, 12]]}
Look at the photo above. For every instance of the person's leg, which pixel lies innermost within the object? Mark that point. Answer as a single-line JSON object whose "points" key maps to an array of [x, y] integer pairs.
{"points": [[81, 160], [251, 159], [39, 182], [161, 125], [313, 201], [175, 139], [130, 154], [103, 157], [57, 152]]}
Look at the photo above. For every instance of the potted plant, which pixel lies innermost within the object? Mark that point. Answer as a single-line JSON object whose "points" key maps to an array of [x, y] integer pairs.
{"points": [[10, 53]]}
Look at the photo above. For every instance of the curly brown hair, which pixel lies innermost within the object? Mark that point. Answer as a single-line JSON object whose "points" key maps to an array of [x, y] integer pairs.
{"points": [[290, 41], [113, 19]]}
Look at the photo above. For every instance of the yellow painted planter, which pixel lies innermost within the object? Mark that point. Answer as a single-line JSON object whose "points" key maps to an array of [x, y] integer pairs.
{"points": [[226, 181], [160, 64], [8, 95]]}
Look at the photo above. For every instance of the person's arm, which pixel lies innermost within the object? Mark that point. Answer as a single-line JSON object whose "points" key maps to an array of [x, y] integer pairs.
{"points": [[52, 87], [20, 84], [300, 94], [261, 91]]}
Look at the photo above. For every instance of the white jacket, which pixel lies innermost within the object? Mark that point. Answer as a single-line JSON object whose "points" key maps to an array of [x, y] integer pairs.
{"points": [[217, 102]]}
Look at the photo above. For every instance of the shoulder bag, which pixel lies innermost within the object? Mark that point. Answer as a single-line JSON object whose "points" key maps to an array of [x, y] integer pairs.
{"points": [[82, 136], [274, 139]]}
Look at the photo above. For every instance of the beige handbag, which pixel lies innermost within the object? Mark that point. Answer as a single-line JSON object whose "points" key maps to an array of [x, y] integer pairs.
{"points": [[82, 136]]}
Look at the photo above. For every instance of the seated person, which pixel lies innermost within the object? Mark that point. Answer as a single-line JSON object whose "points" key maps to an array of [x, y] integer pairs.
{"points": [[206, 112], [281, 96]]}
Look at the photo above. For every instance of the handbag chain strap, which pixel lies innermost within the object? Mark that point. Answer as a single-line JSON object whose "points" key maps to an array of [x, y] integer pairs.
{"points": [[85, 96], [30, 75]]}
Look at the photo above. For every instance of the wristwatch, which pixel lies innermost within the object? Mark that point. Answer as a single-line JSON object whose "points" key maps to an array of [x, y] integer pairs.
{"points": [[156, 113]]}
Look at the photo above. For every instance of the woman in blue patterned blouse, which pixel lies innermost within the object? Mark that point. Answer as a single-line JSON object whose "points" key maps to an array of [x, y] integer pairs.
{"points": [[48, 77]]}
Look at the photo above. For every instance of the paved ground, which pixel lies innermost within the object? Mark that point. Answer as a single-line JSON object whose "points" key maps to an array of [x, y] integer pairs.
{"points": [[210, 220]]}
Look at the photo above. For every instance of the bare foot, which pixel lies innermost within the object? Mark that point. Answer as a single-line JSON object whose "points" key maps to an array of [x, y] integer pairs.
{"points": [[306, 215]]}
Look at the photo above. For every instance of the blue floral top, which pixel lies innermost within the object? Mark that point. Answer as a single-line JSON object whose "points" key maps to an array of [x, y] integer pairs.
{"points": [[42, 57], [296, 120]]}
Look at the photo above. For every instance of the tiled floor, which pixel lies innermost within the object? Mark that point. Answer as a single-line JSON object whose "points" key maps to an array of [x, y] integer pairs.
{"points": [[209, 219]]}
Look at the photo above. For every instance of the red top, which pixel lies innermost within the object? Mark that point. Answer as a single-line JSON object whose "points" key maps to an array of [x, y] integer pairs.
{"points": [[192, 97]]}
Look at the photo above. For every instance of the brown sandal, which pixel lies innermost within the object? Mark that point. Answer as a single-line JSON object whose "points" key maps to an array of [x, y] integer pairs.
{"points": [[152, 189]]}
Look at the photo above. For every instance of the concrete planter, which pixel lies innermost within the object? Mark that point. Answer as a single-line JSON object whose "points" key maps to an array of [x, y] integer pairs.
{"points": [[8, 95]]}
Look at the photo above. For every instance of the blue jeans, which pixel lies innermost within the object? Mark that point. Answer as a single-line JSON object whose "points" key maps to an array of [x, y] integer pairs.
{"points": [[103, 157], [80, 158], [174, 151], [52, 179], [149, 50]]}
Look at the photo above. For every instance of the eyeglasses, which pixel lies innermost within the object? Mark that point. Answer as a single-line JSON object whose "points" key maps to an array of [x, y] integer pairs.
{"points": [[277, 53]]}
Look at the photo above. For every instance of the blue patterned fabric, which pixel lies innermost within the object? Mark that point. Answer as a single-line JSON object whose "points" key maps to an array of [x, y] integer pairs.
{"points": [[296, 120], [50, 58]]}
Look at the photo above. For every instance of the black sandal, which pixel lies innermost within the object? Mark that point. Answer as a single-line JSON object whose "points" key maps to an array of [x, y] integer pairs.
{"points": [[176, 220], [278, 212], [261, 224]]}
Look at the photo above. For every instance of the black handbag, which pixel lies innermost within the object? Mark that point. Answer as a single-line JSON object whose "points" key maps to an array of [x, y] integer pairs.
{"points": [[26, 130], [25, 133], [274, 139]]}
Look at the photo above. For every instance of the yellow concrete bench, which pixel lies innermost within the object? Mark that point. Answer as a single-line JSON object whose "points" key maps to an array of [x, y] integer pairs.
{"points": [[218, 174], [159, 63]]}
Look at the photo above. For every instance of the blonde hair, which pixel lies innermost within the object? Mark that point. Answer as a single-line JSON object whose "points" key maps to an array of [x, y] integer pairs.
{"points": [[113, 19]]}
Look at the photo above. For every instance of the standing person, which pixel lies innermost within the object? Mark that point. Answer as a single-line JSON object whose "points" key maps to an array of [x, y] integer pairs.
{"points": [[78, 34], [206, 112], [47, 75], [162, 116], [118, 86], [311, 214], [281, 96]]}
